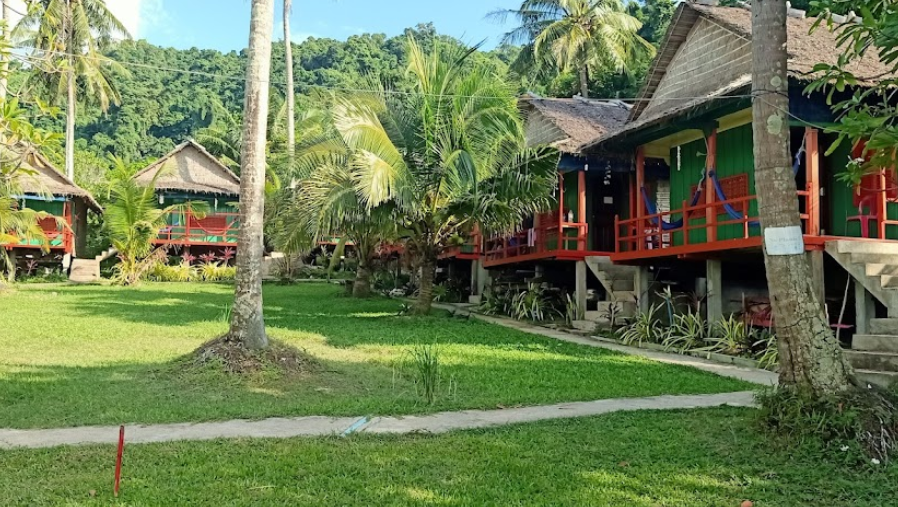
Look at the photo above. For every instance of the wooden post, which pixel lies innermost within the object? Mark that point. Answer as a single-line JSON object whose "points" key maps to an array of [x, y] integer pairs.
{"points": [[812, 178], [581, 210], [561, 217], [881, 205], [640, 206], [710, 193]]}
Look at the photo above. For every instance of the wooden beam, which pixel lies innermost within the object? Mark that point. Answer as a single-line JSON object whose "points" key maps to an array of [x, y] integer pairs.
{"points": [[640, 184], [581, 209], [710, 194], [812, 179]]}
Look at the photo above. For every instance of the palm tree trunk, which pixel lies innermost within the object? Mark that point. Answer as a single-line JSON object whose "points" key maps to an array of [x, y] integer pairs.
{"points": [[810, 357], [70, 125], [4, 68], [425, 287], [291, 92], [361, 286], [247, 321], [584, 82], [70, 95]]}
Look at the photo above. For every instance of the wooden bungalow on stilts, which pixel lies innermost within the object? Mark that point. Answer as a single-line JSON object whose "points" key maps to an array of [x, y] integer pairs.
{"points": [[44, 188], [691, 221], [188, 174]]}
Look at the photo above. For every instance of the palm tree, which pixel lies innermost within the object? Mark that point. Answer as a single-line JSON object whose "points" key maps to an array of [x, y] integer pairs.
{"points": [[586, 36], [447, 155], [72, 34], [247, 321], [291, 91], [326, 204], [20, 141], [133, 220]]}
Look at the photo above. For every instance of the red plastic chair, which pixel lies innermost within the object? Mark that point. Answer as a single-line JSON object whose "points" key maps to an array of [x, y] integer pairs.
{"points": [[864, 218]]}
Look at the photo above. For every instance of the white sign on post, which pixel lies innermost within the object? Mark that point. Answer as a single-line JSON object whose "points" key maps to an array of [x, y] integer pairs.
{"points": [[784, 240]]}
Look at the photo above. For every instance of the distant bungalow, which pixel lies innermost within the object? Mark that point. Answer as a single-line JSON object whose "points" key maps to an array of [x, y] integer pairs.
{"points": [[192, 174], [44, 188]]}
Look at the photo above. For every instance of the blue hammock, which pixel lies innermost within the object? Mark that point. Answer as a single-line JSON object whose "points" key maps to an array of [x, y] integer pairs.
{"points": [[674, 225], [735, 215]]}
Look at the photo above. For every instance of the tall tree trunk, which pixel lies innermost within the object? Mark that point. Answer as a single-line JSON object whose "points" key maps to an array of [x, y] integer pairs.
{"points": [[70, 125], [810, 357], [425, 284], [4, 67], [247, 321], [291, 91], [584, 82], [70, 105]]}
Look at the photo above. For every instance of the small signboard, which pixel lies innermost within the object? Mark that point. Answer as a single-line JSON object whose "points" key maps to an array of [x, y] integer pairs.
{"points": [[784, 241]]}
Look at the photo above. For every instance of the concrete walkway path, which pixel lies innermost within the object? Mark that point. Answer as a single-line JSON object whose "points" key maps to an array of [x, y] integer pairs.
{"points": [[753, 375], [331, 426]]}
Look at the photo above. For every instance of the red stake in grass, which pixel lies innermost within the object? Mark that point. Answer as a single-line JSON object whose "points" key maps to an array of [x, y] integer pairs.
{"points": [[118, 459]]}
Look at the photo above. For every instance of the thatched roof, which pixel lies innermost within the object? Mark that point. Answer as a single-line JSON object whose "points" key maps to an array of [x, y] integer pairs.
{"points": [[190, 168], [577, 120], [42, 178], [806, 49]]}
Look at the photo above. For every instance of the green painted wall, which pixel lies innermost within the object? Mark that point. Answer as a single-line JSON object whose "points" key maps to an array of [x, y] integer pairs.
{"points": [[56, 208], [734, 157], [841, 199]]}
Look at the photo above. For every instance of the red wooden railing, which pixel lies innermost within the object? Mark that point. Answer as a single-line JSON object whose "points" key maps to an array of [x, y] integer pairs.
{"points": [[642, 233], [58, 231], [212, 229], [550, 233]]}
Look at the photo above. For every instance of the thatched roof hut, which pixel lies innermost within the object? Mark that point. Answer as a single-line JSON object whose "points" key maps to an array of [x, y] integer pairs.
{"points": [[569, 123], [190, 168], [706, 58], [42, 178]]}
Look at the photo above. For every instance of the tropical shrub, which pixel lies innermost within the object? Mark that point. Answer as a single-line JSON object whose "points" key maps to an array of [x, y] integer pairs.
{"points": [[645, 328], [533, 303], [689, 331]]}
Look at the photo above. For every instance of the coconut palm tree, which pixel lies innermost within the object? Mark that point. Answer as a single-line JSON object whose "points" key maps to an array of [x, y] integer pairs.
{"points": [[585, 36], [326, 204], [291, 90], [20, 141], [447, 155], [67, 37], [247, 321], [133, 220]]}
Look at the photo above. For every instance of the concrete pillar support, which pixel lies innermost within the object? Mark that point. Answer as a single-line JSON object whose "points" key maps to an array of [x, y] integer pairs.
{"points": [[483, 277], [715, 290], [643, 284], [864, 308], [581, 285]]}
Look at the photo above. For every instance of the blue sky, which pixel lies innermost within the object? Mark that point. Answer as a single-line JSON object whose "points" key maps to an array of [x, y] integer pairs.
{"points": [[224, 24]]}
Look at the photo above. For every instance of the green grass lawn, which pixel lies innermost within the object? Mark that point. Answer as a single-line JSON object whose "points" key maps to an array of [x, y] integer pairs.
{"points": [[697, 458], [77, 355]]}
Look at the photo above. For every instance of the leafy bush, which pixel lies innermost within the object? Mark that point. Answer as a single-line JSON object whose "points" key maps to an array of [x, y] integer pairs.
{"points": [[572, 310], [495, 302], [765, 348], [184, 272], [645, 328], [534, 304], [730, 336], [689, 331]]}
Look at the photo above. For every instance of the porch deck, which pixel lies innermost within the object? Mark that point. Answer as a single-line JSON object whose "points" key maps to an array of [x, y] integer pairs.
{"points": [[214, 229], [58, 230]]}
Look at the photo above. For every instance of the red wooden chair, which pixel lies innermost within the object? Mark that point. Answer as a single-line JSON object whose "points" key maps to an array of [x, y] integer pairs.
{"points": [[864, 218]]}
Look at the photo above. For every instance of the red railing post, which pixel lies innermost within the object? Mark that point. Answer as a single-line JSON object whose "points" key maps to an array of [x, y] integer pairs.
{"points": [[710, 193], [685, 215], [812, 177], [640, 206]]}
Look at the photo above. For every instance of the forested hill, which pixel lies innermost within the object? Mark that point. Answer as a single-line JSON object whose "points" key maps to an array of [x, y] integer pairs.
{"points": [[169, 94]]}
